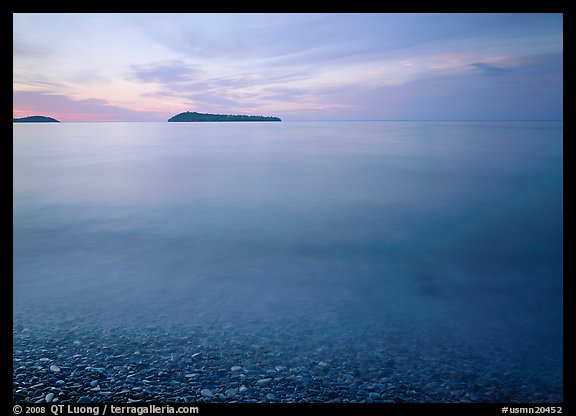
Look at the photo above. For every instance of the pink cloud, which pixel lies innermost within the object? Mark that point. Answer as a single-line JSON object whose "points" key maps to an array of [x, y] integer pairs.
{"points": [[63, 108]]}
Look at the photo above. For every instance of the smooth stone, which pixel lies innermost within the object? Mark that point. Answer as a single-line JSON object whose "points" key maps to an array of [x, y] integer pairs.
{"points": [[139, 395], [207, 393], [236, 368], [60, 382], [84, 399], [243, 389], [231, 392], [323, 364], [54, 368], [271, 396], [264, 382], [374, 395], [94, 383], [49, 397]]}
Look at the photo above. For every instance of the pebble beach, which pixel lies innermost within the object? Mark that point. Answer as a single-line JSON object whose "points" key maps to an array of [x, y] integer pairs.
{"points": [[285, 364]]}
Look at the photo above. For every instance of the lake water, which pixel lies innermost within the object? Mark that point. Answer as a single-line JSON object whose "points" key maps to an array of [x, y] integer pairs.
{"points": [[442, 240]]}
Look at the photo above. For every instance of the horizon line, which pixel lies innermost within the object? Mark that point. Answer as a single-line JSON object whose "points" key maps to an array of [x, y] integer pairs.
{"points": [[315, 120]]}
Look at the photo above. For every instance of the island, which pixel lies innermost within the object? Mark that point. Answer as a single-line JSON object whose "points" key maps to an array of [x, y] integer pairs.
{"points": [[194, 117], [35, 119]]}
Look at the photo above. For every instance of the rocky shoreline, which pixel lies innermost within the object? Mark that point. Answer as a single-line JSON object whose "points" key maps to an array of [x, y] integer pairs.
{"points": [[73, 364]]}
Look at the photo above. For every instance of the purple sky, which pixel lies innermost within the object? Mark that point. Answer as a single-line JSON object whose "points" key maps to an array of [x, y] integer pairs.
{"points": [[149, 67]]}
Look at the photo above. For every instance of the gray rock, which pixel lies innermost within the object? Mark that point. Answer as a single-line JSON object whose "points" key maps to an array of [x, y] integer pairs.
{"points": [[243, 389], [84, 399], [49, 397], [60, 382], [374, 395], [54, 368], [207, 393], [323, 364], [236, 368], [94, 383], [264, 382], [231, 392], [271, 396]]}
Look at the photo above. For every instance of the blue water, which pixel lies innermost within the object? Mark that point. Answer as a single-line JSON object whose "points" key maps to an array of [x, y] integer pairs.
{"points": [[447, 233]]}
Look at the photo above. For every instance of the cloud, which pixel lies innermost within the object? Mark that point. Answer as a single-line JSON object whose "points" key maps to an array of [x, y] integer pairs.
{"points": [[464, 95], [490, 69], [166, 72], [22, 49], [67, 109]]}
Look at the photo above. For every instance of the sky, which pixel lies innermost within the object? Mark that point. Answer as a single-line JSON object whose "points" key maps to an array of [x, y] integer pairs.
{"points": [[149, 67]]}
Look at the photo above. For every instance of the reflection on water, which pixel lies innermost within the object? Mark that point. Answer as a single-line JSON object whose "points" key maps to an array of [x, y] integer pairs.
{"points": [[445, 228]]}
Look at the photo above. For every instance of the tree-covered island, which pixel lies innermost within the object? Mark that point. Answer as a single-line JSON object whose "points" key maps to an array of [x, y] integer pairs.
{"points": [[35, 119], [194, 116]]}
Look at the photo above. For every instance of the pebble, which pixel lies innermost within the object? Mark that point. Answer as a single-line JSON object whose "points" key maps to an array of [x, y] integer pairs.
{"points": [[264, 382], [49, 397], [84, 399], [323, 364], [207, 393], [236, 368], [54, 368], [242, 389], [231, 392], [374, 395], [271, 396]]}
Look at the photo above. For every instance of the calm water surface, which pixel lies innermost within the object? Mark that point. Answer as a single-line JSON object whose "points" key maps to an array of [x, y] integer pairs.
{"points": [[449, 232]]}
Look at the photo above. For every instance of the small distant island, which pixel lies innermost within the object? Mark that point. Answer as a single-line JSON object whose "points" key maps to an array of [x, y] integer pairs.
{"points": [[35, 119], [194, 117]]}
